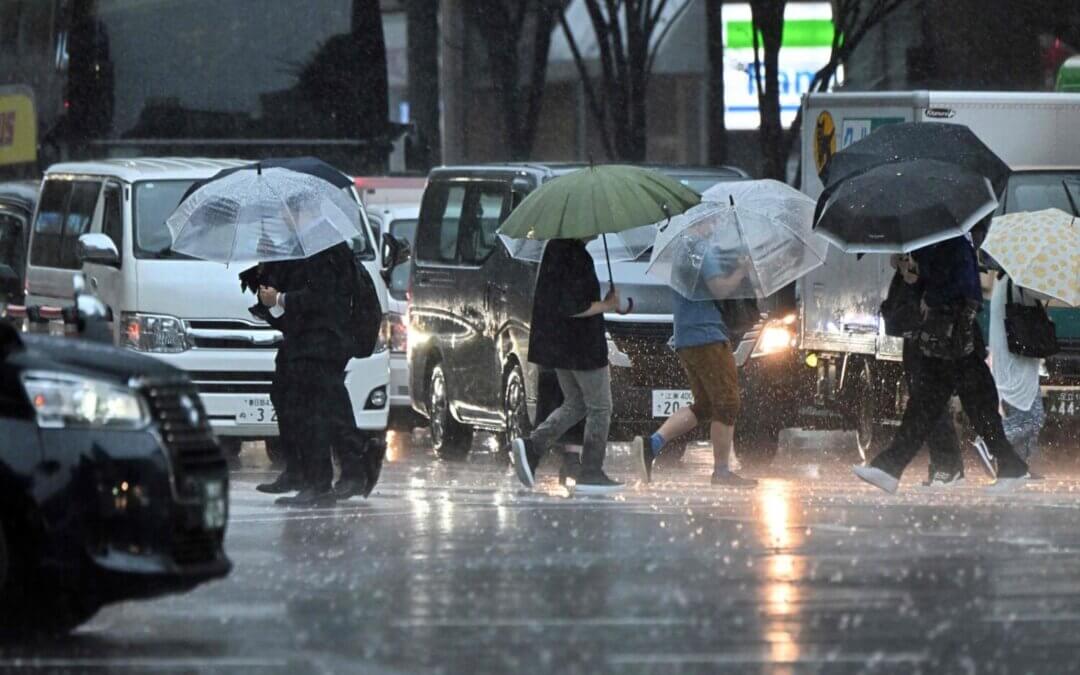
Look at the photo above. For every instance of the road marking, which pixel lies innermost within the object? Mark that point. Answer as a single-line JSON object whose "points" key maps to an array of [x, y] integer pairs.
{"points": [[613, 621], [144, 663], [736, 658]]}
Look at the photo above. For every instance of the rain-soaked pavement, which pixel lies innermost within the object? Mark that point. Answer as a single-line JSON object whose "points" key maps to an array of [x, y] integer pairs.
{"points": [[452, 568]]}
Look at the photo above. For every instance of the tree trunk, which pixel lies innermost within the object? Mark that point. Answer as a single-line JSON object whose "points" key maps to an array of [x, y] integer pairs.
{"points": [[422, 36], [768, 17], [714, 31]]}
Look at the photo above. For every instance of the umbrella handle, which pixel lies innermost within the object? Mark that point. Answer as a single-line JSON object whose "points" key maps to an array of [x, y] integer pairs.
{"points": [[629, 307]]}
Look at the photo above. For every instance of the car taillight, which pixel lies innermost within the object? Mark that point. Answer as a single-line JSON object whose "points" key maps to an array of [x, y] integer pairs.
{"points": [[399, 334]]}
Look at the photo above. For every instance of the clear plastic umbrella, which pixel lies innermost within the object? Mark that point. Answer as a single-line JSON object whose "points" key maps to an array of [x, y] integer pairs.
{"points": [[754, 236], [263, 215]]}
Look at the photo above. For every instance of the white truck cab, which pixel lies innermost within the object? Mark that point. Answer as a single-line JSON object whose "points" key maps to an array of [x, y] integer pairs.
{"points": [[105, 220]]}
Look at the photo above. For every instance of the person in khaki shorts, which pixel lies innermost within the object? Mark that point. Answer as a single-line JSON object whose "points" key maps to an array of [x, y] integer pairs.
{"points": [[703, 346]]}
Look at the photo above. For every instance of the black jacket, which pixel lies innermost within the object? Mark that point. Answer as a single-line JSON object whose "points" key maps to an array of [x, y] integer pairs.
{"points": [[316, 323], [567, 285]]}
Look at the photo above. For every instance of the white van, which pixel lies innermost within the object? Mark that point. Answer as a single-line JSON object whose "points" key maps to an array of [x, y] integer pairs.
{"points": [[106, 220]]}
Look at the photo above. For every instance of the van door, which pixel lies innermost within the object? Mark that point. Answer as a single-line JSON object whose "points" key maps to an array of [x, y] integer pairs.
{"points": [[106, 281], [65, 211], [14, 225]]}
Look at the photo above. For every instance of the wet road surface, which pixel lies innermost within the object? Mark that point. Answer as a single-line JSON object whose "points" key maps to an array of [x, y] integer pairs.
{"points": [[453, 568]]}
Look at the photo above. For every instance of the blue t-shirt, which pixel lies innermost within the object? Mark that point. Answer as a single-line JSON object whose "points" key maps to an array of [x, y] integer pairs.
{"points": [[699, 322]]}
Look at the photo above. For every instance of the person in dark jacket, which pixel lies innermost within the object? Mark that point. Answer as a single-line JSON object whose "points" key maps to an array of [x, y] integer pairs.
{"points": [[314, 308], [567, 334], [953, 361], [946, 463]]}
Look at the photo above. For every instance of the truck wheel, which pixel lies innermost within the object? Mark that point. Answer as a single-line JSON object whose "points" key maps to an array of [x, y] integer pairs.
{"points": [[275, 450], [231, 446], [515, 408], [866, 414], [450, 439]]}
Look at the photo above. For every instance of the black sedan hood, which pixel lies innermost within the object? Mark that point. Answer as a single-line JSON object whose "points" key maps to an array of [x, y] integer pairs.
{"points": [[39, 352]]}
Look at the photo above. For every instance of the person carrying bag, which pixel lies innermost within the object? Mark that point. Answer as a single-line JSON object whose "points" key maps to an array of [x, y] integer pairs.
{"points": [[1029, 330]]}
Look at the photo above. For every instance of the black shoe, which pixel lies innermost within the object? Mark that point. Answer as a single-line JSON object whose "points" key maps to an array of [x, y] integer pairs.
{"points": [[732, 480], [941, 478], [526, 460], [570, 468], [284, 483], [641, 448], [309, 496], [597, 483], [351, 487]]}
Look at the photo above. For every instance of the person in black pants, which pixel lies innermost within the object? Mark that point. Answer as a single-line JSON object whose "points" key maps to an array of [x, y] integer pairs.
{"points": [[953, 362], [315, 310]]}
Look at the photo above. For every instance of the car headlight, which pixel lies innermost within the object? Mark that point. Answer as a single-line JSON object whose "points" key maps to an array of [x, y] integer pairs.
{"points": [[62, 400], [399, 334], [776, 337], [383, 341], [154, 334]]}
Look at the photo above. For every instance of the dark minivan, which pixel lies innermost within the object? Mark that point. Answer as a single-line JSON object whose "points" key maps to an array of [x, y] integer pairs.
{"points": [[471, 304]]}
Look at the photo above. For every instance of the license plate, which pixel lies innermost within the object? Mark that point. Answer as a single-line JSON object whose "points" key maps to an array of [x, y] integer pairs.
{"points": [[1064, 403], [667, 402], [215, 508], [258, 410]]}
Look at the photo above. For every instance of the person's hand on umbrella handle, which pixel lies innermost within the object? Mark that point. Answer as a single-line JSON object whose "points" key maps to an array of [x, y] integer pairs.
{"points": [[268, 296], [613, 302]]}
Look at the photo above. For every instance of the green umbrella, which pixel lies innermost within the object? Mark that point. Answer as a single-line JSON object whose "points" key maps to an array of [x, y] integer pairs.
{"points": [[596, 201]]}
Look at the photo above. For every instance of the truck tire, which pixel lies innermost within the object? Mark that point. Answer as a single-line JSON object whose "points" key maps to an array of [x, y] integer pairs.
{"points": [[275, 450], [451, 439], [231, 446]]}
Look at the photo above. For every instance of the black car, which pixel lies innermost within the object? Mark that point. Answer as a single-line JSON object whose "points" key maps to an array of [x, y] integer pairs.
{"points": [[17, 200], [471, 305], [112, 485]]}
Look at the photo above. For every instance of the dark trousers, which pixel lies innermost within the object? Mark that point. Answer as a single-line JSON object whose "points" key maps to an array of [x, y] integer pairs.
{"points": [[942, 442], [319, 407], [937, 381], [287, 422]]}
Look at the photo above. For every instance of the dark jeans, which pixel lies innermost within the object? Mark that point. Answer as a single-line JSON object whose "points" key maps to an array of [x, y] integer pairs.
{"points": [[937, 381], [942, 442]]}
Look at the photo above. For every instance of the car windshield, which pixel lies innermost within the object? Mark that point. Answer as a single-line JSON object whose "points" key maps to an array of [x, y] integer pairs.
{"points": [[403, 228], [1037, 190], [154, 203]]}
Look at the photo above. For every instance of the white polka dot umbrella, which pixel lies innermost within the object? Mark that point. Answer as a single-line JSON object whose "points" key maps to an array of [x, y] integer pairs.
{"points": [[1040, 250]]}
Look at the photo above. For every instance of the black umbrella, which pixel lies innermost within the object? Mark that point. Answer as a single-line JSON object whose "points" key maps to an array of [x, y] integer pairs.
{"points": [[951, 143], [312, 166], [903, 206]]}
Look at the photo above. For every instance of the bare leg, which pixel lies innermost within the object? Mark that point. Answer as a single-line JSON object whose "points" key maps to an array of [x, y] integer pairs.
{"points": [[722, 436], [682, 422]]}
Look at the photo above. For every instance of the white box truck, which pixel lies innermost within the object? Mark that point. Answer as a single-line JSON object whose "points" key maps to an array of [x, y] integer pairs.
{"points": [[851, 375]]}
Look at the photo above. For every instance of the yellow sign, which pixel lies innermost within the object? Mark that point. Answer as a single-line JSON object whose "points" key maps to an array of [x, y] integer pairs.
{"points": [[18, 127], [824, 140]]}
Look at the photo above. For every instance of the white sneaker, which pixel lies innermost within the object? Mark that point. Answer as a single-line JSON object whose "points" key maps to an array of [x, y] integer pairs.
{"points": [[520, 455], [989, 464], [878, 478], [1006, 485]]}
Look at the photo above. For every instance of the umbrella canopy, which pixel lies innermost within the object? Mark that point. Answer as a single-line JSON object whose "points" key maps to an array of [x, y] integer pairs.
{"points": [[1040, 250], [312, 166], [950, 143], [263, 215], [903, 206], [623, 246], [764, 226], [597, 200]]}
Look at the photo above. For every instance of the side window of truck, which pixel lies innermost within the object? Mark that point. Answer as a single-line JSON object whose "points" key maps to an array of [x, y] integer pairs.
{"points": [[112, 224], [80, 213], [48, 226], [437, 234]]}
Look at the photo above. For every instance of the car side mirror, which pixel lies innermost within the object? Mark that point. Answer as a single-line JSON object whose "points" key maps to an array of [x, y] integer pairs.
{"points": [[394, 252], [10, 283], [98, 249]]}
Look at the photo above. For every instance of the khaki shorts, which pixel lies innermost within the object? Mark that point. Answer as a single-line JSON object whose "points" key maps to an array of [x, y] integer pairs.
{"points": [[714, 381]]}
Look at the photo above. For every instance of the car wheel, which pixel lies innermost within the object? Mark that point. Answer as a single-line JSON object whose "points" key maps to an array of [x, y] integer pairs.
{"points": [[449, 438], [275, 450], [515, 408]]}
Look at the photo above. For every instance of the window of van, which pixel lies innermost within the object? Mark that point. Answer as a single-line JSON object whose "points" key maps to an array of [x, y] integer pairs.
{"points": [[65, 211], [154, 202], [460, 222]]}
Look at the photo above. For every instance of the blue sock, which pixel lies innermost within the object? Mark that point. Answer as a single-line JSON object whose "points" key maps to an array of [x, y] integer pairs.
{"points": [[656, 442]]}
